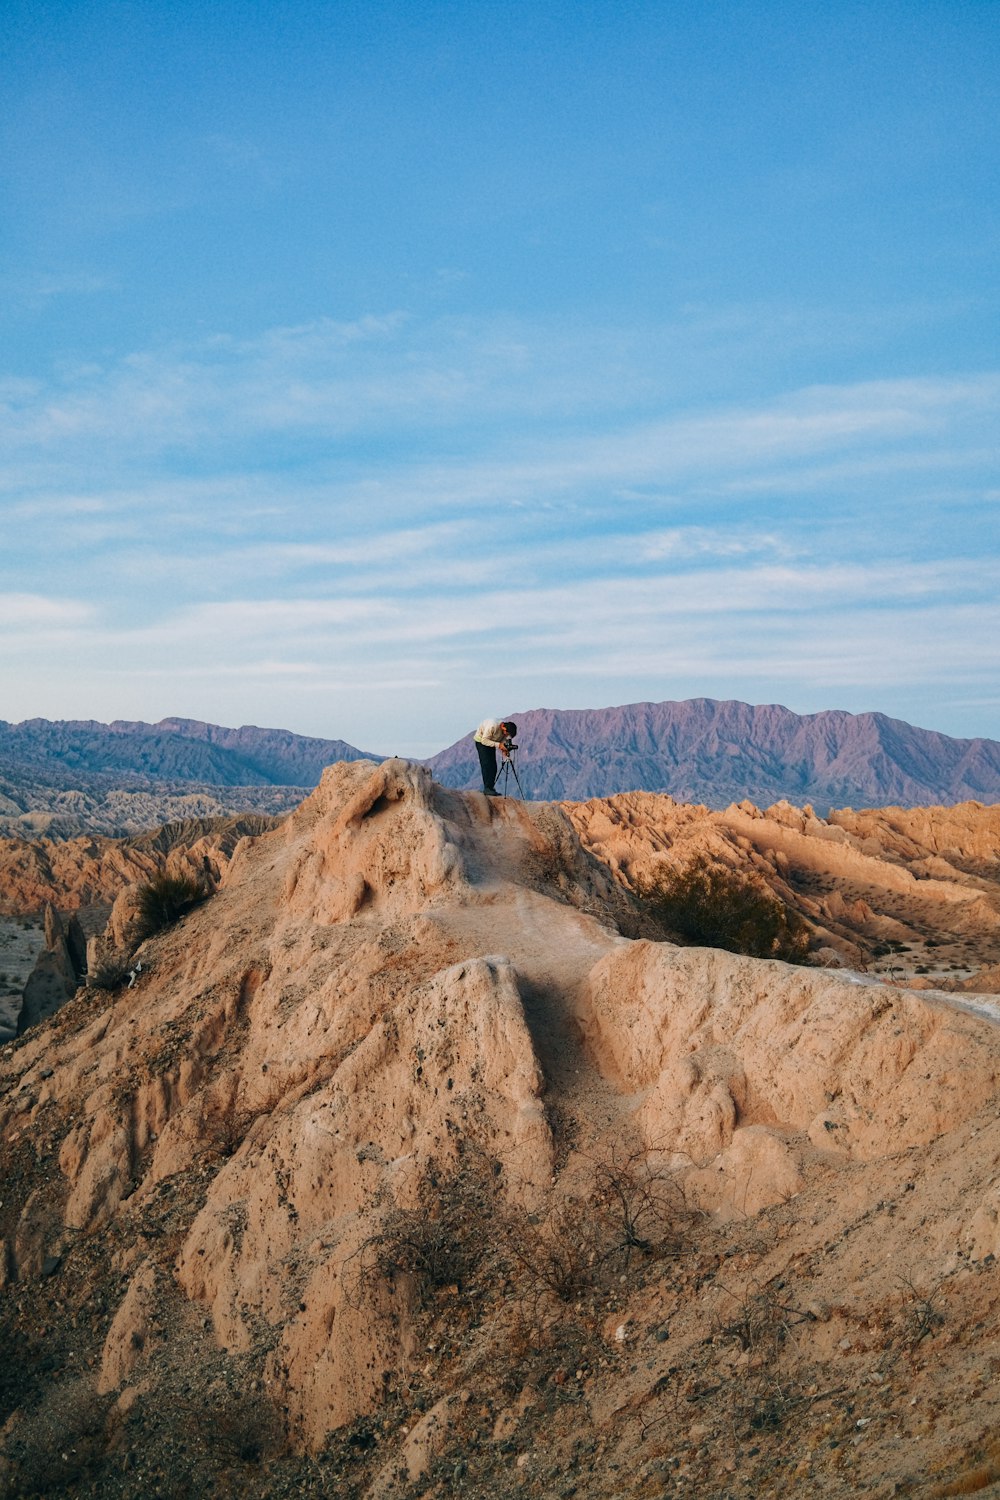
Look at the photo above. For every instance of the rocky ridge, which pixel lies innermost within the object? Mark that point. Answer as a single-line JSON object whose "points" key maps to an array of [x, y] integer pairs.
{"points": [[410, 1165]]}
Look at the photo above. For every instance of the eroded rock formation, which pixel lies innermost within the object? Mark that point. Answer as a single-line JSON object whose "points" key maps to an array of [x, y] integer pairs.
{"points": [[911, 894], [402, 1136]]}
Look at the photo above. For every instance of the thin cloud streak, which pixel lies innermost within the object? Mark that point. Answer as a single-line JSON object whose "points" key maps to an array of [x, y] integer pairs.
{"points": [[353, 502]]}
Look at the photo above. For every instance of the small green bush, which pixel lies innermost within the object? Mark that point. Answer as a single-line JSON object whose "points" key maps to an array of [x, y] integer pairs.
{"points": [[164, 899], [710, 904]]}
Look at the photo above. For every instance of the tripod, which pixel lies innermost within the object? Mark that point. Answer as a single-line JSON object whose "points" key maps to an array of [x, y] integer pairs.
{"points": [[505, 774]]}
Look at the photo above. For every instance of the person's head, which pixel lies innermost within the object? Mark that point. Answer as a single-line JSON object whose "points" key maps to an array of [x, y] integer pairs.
{"points": [[509, 728]]}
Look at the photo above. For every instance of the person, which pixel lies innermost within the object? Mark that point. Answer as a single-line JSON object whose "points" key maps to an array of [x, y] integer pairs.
{"points": [[491, 736]]}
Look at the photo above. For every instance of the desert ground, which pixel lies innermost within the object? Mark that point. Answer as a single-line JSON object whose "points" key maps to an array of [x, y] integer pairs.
{"points": [[21, 940], [417, 1161]]}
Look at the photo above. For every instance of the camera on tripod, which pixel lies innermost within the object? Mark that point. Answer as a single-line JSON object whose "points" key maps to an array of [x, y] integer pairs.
{"points": [[508, 745]]}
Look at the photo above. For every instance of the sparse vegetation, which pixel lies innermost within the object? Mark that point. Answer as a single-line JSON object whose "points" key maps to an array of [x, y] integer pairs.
{"points": [[639, 1197], [713, 905], [561, 1254], [111, 973], [223, 1126], [923, 1316], [440, 1242], [635, 1207], [164, 899]]}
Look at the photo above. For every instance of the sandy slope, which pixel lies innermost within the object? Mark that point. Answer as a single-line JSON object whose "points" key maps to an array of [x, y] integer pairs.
{"points": [[402, 1149]]}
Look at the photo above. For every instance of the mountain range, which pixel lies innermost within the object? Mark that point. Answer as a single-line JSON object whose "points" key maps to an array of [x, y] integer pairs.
{"points": [[704, 750], [66, 777], [63, 776], [172, 750]]}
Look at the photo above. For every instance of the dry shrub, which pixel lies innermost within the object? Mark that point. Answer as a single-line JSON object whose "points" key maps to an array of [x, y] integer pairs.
{"points": [[464, 1232], [923, 1316], [713, 905], [762, 1399], [561, 1254], [444, 1241], [111, 973], [636, 1206], [247, 1427], [639, 1197], [163, 900], [222, 1125]]}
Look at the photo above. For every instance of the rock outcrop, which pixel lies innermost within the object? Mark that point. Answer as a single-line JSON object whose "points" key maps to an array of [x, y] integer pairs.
{"points": [[91, 871], [58, 973]]}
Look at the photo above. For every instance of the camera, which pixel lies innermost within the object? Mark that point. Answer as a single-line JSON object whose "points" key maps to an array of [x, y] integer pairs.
{"points": [[508, 745]]}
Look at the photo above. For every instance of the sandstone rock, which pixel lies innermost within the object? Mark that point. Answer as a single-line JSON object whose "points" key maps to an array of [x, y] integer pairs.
{"points": [[58, 972]]}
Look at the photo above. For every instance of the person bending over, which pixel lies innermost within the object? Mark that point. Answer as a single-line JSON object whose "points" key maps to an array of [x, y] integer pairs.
{"points": [[491, 736]]}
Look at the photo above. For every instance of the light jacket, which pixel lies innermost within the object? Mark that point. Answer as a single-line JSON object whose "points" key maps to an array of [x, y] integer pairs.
{"points": [[490, 732]]}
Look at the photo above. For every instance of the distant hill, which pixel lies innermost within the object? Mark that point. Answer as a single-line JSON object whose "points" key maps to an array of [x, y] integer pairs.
{"points": [[716, 753], [63, 777], [172, 750]]}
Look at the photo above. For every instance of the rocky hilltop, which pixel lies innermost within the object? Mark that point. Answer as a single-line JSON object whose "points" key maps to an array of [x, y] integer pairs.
{"points": [[411, 1162], [714, 752]]}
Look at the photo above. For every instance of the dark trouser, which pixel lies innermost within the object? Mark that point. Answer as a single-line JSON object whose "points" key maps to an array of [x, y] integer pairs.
{"points": [[488, 765]]}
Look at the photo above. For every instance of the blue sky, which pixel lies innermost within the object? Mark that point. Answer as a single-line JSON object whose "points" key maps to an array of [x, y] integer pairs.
{"points": [[366, 369]]}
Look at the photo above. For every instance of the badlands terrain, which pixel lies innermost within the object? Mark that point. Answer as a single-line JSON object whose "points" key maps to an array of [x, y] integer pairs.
{"points": [[416, 1159]]}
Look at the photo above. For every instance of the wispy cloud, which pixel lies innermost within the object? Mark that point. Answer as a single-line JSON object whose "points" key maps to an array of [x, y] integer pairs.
{"points": [[34, 614], [387, 373], [455, 504]]}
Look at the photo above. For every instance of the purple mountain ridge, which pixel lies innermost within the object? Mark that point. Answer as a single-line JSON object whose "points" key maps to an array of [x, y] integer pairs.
{"points": [[699, 750], [68, 752], [705, 751]]}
